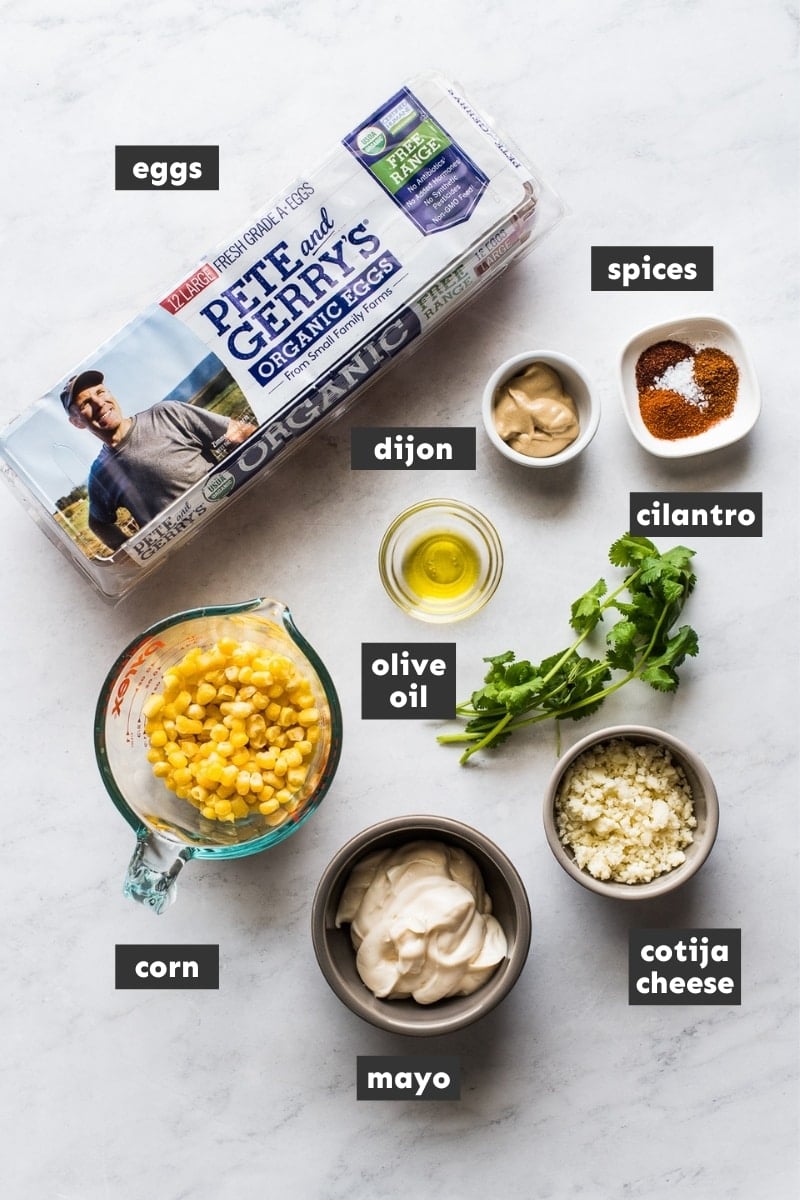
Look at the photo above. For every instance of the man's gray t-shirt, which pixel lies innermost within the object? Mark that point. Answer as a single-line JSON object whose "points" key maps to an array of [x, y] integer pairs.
{"points": [[167, 449]]}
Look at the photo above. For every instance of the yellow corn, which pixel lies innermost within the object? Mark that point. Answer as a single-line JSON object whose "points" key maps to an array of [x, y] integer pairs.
{"points": [[153, 705], [232, 731]]}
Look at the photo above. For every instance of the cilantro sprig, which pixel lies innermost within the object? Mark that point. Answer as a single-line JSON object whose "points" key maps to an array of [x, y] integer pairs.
{"points": [[643, 643]]}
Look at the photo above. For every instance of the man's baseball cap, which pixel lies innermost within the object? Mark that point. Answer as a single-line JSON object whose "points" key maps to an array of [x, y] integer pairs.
{"points": [[73, 387]]}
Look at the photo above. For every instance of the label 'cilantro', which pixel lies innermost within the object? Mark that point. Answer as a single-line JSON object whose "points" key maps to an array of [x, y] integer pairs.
{"points": [[643, 643]]}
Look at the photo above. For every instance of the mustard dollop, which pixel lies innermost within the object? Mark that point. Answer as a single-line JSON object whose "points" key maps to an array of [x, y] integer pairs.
{"points": [[533, 414]]}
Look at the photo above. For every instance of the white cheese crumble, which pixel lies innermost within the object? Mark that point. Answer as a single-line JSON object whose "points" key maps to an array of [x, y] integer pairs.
{"points": [[625, 811]]}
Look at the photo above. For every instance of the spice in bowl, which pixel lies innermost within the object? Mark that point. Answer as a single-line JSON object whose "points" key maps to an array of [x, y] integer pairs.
{"points": [[534, 414], [683, 390], [626, 812]]}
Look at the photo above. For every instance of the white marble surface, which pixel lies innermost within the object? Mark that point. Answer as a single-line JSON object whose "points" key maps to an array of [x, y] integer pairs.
{"points": [[659, 122]]}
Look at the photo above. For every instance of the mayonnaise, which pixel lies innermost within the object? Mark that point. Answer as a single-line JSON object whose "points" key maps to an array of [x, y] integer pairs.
{"points": [[420, 921]]}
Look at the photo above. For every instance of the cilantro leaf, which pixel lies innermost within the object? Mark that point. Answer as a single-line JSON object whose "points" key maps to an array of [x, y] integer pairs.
{"points": [[642, 644], [587, 609]]}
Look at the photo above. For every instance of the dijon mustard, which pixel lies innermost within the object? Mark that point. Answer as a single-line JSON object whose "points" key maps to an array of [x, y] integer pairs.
{"points": [[533, 414]]}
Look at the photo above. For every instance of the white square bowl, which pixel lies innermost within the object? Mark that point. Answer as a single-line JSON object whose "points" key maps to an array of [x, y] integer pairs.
{"points": [[698, 332]]}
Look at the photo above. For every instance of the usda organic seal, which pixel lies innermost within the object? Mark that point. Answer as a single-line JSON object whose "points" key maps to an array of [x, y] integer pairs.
{"points": [[219, 486], [371, 140]]}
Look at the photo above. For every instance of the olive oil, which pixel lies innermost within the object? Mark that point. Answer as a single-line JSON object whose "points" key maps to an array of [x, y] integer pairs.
{"points": [[441, 565]]}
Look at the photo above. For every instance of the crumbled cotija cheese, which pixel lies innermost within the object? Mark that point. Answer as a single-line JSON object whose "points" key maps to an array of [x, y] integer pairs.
{"points": [[625, 811]]}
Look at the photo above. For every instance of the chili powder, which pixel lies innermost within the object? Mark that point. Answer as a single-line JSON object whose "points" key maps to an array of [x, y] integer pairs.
{"points": [[718, 378], [655, 360], [670, 415]]}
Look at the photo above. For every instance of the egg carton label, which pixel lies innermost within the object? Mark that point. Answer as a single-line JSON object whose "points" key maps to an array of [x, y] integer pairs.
{"points": [[273, 333], [417, 165]]}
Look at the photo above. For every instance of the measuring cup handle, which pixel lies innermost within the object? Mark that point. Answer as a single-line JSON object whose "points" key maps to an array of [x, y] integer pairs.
{"points": [[151, 880]]}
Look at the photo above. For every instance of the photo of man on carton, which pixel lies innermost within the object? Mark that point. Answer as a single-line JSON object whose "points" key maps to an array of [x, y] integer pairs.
{"points": [[147, 460]]}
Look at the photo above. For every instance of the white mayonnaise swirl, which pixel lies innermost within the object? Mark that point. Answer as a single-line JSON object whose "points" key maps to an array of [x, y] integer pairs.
{"points": [[421, 923]]}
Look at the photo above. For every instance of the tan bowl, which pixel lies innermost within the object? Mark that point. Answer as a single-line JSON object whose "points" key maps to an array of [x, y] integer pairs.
{"points": [[706, 811], [334, 949]]}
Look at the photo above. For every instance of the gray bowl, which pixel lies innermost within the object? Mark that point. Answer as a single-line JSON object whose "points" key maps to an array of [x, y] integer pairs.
{"points": [[334, 949], [706, 811]]}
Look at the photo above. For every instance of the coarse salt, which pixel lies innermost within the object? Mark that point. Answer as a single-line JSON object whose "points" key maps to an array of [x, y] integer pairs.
{"points": [[680, 378]]}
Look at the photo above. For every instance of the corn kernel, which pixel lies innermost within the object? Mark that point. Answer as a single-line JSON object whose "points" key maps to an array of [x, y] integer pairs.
{"points": [[153, 705], [186, 725], [206, 692], [296, 777]]}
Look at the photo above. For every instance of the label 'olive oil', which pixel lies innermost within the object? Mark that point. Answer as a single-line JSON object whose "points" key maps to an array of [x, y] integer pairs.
{"points": [[441, 566]]}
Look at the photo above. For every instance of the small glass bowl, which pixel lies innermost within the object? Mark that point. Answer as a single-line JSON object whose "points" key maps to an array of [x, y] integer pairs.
{"points": [[443, 518]]}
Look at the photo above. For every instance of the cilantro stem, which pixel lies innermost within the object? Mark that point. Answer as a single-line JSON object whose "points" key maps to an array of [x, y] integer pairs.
{"points": [[607, 603], [654, 606]]}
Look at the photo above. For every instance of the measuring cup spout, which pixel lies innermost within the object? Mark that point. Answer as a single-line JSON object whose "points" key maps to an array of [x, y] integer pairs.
{"points": [[153, 872]]}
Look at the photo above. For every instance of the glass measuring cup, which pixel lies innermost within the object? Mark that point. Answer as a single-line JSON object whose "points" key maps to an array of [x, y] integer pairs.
{"points": [[171, 831]]}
